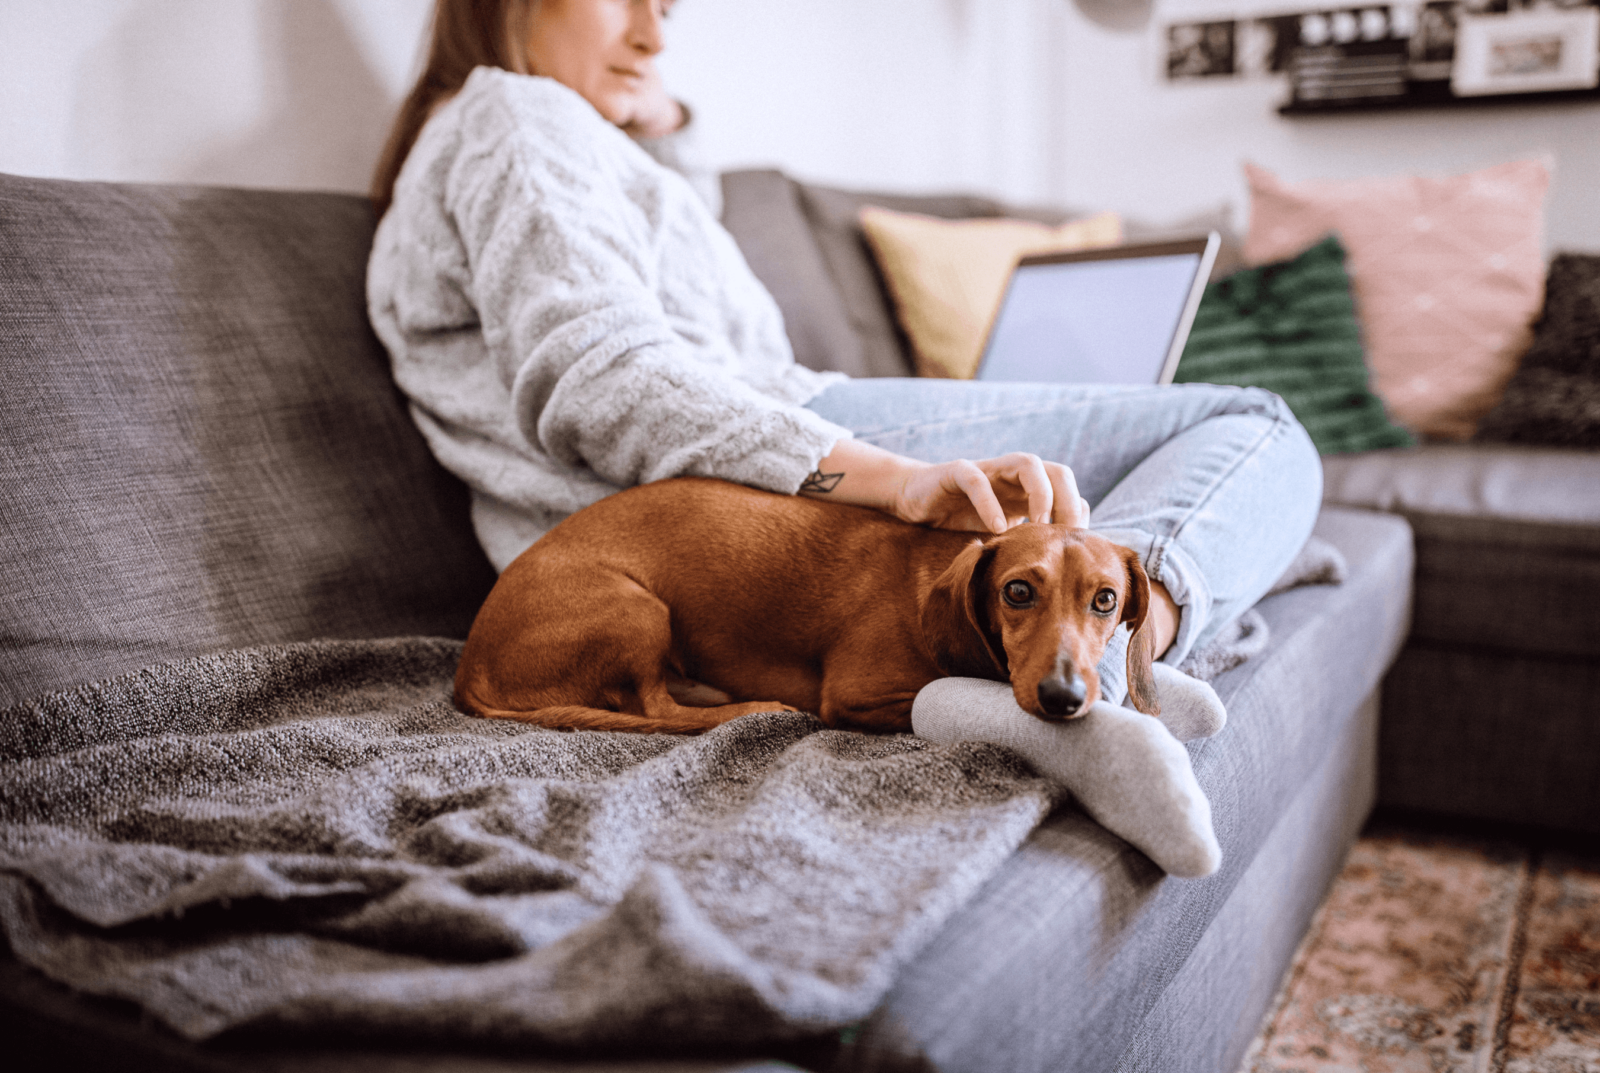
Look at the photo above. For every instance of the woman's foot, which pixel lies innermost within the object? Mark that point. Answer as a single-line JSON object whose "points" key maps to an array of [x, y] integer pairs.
{"points": [[1190, 708], [1124, 768]]}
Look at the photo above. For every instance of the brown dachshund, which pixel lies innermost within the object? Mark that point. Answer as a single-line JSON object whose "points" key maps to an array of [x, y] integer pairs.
{"points": [[679, 605]]}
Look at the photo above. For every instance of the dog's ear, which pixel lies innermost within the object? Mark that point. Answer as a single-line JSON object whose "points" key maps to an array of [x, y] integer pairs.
{"points": [[955, 620], [1141, 643]]}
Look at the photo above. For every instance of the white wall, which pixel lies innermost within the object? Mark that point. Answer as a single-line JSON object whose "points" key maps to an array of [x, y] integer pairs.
{"points": [[1021, 98], [901, 94], [293, 93]]}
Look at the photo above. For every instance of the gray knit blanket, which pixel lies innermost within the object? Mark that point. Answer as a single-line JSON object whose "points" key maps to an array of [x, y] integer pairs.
{"points": [[310, 837]]}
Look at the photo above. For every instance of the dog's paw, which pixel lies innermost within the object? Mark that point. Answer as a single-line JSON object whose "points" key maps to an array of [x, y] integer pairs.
{"points": [[749, 707], [693, 694]]}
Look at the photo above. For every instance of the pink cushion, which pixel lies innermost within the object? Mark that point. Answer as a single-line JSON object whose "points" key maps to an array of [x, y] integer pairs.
{"points": [[1448, 275]]}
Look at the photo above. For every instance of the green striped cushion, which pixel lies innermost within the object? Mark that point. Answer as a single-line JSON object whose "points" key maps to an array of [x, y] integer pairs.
{"points": [[1291, 327]]}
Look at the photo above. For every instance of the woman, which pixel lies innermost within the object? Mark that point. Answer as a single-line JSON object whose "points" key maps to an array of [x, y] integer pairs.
{"points": [[568, 319]]}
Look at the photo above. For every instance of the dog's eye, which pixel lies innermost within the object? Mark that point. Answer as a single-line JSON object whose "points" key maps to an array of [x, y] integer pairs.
{"points": [[1105, 601], [1018, 593]]}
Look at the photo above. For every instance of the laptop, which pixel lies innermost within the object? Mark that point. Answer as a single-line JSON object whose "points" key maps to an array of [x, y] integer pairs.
{"points": [[1119, 315]]}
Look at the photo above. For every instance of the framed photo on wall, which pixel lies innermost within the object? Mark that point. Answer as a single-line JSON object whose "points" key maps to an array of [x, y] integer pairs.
{"points": [[1527, 51], [1200, 49]]}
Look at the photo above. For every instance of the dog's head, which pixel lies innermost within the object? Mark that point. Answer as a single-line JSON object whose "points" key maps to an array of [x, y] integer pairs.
{"points": [[1036, 606]]}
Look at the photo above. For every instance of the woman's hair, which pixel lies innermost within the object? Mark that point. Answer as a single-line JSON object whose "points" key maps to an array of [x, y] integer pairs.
{"points": [[465, 34]]}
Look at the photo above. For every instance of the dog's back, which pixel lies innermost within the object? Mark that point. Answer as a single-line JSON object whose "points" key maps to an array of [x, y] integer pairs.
{"points": [[702, 542], [757, 588]]}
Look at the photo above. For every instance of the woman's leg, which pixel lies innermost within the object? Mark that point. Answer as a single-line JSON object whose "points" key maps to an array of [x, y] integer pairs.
{"points": [[1215, 487]]}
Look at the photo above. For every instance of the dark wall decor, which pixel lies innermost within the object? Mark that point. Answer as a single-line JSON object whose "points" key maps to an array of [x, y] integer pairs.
{"points": [[1401, 55]]}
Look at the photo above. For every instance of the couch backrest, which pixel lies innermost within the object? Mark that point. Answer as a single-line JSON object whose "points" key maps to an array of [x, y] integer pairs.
{"points": [[200, 443]]}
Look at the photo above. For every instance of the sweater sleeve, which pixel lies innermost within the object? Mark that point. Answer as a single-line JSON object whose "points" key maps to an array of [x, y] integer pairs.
{"points": [[563, 268]]}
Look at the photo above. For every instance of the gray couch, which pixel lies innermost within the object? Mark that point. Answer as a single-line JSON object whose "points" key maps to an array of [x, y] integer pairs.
{"points": [[200, 449]]}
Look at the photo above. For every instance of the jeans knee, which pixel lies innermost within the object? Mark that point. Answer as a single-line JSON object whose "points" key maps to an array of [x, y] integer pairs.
{"points": [[1290, 454], [1264, 403], [1258, 400], [1300, 464]]}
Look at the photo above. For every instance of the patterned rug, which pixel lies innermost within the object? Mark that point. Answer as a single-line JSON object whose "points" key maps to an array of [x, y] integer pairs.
{"points": [[1445, 954]]}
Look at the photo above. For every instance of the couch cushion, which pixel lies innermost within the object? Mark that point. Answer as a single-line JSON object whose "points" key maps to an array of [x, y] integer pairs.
{"points": [[833, 216], [761, 217], [1508, 540], [761, 209], [1057, 961], [1213, 1009], [834, 219], [200, 445]]}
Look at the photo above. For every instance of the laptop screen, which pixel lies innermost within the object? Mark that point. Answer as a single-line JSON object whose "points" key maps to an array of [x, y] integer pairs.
{"points": [[1104, 319]]}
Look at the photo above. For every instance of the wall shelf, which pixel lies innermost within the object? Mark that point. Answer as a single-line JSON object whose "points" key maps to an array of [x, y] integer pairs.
{"points": [[1434, 95]]}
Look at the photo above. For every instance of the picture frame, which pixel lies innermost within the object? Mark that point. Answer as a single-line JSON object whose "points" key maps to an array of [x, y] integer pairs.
{"points": [[1200, 50], [1527, 51]]}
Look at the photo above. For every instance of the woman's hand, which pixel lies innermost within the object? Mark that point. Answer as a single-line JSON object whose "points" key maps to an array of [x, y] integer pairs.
{"points": [[654, 114], [990, 495]]}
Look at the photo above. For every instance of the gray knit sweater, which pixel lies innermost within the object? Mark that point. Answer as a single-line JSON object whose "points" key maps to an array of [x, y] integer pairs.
{"points": [[569, 319]]}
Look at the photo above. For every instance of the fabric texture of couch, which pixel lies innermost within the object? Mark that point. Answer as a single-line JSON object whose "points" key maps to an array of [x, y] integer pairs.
{"points": [[201, 450]]}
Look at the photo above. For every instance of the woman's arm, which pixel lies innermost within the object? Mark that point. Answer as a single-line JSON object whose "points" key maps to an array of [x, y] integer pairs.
{"points": [[990, 494]]}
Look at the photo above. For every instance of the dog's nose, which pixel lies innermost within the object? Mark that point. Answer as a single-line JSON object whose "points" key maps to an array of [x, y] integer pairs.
{"points": [[1061, 696]]}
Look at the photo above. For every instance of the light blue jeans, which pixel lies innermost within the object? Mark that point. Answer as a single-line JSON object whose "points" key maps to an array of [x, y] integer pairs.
{"points": [[1215, 487]]}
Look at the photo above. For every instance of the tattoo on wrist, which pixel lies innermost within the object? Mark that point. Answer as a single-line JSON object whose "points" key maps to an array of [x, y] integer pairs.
{"points": [[819, 481]]}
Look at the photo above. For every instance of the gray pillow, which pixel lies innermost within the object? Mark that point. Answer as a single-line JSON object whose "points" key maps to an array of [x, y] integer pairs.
{"points": [[200, 443], [762, 211]]}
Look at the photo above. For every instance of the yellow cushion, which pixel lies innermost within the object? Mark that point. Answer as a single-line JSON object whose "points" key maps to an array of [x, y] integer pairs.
{"points": [[946, 277]]}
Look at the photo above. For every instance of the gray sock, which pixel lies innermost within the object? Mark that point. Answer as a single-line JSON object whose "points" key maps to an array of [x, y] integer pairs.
{"points": [[1190, 708], [1125, 769]]}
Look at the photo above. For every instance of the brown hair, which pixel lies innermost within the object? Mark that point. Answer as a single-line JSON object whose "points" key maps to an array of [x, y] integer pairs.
{"points": [[465, 34]]}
